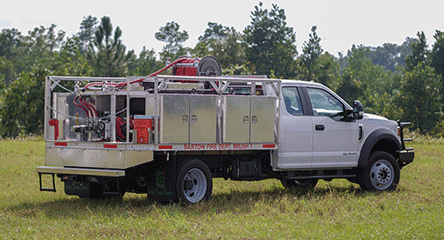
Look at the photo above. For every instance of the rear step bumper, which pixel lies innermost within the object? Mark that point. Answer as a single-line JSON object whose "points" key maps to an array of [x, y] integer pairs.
{"points": [[44, 170]]}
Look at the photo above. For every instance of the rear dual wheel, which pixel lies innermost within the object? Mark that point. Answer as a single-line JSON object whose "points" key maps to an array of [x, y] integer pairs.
{"points": [[194, 182]]}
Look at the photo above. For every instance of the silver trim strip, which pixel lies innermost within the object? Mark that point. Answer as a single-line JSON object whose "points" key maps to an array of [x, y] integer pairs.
{"points": [[81, 171]]}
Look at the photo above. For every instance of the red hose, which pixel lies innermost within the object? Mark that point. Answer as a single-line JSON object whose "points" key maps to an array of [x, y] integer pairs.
{"points": [[84, 109], [90, 107], [97, 83], [55, 124], [155, 73], [179, 60], [82, 102]]}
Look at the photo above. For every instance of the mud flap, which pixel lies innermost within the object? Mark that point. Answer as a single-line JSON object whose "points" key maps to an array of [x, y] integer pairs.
{"points": [[81, 189], [161, 184]]}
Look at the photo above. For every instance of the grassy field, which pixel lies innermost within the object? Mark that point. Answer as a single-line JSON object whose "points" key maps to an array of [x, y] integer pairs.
{"points": [[263, 210]]}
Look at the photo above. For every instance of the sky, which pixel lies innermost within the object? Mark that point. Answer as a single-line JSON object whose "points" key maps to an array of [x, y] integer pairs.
{"points": [[340, 23]]}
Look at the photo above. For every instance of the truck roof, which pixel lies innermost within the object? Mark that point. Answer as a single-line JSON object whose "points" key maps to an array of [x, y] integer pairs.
{"points": [[299, 82]]}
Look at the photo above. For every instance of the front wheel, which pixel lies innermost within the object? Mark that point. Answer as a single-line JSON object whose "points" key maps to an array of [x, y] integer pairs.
{"points": [[194, 182], [382, 173]]}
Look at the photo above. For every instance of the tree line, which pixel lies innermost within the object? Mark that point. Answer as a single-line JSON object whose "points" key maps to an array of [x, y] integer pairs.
{"points": [[396, 81]]}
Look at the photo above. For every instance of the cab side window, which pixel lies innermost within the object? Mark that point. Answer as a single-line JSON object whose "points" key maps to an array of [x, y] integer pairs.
{"points": [[323, 103], [292, 101]]}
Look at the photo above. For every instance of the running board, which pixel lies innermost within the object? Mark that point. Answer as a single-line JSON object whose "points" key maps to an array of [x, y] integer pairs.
{"points": [[320, 177]]}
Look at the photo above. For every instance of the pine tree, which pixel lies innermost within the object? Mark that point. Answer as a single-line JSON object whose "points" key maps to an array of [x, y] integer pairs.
{"points": [[311, 51], [270, 42], [174, 38], [107, 53]]}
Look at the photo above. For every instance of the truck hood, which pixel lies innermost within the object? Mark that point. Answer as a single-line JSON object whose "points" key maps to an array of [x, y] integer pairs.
{"points": [[374, 122], [374, 117]]}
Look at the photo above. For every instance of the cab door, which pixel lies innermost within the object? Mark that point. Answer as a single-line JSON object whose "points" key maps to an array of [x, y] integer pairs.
{"points": [[335, 140], [296, 132]]}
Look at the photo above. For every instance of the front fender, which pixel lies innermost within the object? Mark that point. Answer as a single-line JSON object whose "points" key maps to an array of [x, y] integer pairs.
{"points": [[383, 140]]}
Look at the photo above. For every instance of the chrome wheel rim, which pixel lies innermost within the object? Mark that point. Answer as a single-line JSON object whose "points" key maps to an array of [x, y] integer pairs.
{"points": [[194, 185], [382, 174]]}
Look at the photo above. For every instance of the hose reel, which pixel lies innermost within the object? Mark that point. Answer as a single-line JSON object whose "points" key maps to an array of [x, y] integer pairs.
{"points": [[209, 66]]}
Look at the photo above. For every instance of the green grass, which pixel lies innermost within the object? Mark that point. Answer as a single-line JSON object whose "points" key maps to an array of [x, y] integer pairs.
{"points": [[264, 209]]}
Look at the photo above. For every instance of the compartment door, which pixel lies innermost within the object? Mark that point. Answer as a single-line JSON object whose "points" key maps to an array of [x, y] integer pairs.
{"points": [[236, 119], [203, 111], [174, 118], [262, 119]]}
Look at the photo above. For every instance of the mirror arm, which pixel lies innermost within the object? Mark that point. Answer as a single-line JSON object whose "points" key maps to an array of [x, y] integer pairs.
{"points": [[347, 116]]}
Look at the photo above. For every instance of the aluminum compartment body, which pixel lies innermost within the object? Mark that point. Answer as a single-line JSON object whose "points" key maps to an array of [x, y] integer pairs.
{"points": [[95, 158], [188, 118]]}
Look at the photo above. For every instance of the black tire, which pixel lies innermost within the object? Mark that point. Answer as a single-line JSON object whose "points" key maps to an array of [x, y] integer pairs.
{"points": [[382, 173], [194, 182], [302, 184]]}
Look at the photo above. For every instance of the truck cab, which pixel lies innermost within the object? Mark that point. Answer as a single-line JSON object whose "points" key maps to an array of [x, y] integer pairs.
{"points": [[320, 131]]}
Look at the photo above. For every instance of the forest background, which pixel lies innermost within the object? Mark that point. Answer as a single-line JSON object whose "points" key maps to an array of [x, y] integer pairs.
{"points": [[403, 82]]}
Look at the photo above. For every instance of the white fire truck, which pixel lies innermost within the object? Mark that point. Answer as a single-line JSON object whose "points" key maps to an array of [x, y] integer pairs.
{"points": [[169, 135]]}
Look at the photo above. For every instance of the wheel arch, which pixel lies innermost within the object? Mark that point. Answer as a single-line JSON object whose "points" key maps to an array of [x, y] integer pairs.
{"points": [[379, 140]]}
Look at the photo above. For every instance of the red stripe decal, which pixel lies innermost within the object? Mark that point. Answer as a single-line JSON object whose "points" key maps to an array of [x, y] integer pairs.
{"points": [[268, 146], [165, 146], [63, 144], [109, 145]]}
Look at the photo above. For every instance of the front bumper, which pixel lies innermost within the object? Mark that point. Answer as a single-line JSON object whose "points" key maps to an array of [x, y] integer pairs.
{"points": [[406, 157]]}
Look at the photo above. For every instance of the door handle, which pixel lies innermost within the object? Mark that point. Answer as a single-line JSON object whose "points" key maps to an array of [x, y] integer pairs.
{"points": [[319, 127], [246, 119], [193, 118], [185, 118]]}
